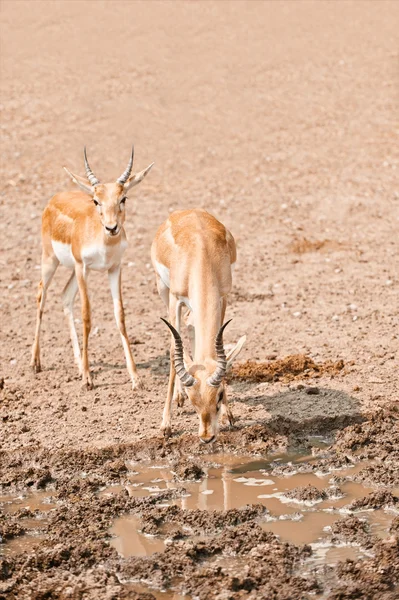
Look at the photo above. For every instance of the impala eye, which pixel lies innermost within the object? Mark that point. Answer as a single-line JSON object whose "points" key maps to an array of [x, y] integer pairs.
{"points": [[96, 202], [219, 400], [123, 200]]}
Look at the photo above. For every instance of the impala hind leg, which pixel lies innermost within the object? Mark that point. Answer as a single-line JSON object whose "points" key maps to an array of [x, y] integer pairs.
{"points": [[49, 267], [115, 282], [68, 299], [81, 277]]}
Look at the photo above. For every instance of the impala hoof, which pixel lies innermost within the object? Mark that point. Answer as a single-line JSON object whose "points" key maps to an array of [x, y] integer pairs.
{"points": [[87, 383], [180, 400], [36, 367], [137, 384], [167, 432]]}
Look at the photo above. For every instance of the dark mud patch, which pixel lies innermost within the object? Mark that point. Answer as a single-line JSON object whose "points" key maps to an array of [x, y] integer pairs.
{"points": [[286, 369]]}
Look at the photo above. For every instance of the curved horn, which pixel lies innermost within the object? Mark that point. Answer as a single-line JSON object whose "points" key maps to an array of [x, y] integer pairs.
{"points": [[126, 174], [89, 173], [216, 379], [185, 377]]}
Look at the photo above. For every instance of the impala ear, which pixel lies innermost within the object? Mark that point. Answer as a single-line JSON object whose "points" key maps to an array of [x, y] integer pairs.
{"points": [[234, 352], [137, 178], [81, 182]]}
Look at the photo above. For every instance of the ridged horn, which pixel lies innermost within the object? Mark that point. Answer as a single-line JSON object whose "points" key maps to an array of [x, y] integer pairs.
{"points": [[89, 173], [216, 378], [185, 377], [126, 174]]}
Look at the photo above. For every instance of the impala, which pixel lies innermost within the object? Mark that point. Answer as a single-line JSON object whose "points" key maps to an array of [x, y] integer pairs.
{"points": [[83, 230], [193, 255]]}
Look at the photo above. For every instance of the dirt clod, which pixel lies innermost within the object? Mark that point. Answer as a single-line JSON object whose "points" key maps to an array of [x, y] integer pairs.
{"points": [[308, 493], [285, 369]]}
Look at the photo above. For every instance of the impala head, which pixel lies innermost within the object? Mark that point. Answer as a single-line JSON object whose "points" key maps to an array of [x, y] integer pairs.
{"points": [[109, 198], [204, 384]]}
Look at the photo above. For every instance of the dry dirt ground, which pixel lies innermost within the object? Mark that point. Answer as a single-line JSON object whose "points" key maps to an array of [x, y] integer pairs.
{"points": [[280, 118]]}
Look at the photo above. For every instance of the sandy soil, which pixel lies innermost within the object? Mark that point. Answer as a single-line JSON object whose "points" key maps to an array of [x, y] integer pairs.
{"points": [[280, 118]]}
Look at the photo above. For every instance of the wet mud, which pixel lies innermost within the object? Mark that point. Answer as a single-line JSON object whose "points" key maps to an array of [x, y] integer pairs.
{"points": [[113, 518]]}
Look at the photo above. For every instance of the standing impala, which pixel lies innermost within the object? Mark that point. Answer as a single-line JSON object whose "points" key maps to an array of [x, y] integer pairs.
{"points": [[83, 230], [193, 255]]}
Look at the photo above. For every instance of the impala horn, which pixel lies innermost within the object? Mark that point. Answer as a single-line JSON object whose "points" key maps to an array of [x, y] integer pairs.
{"points": [[89, 173], [185, 377], [126, 174], [216, 379]]}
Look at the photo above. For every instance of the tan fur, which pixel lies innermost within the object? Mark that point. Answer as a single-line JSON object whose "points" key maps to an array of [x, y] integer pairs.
{"points": [[75, 230], [198, 251]]}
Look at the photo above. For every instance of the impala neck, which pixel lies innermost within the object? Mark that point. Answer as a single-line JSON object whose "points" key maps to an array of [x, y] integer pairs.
{"points": [[207, 309]]}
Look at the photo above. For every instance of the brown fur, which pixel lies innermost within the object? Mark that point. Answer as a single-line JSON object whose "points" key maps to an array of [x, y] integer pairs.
{"points": [[198, 251], [74, 219]]}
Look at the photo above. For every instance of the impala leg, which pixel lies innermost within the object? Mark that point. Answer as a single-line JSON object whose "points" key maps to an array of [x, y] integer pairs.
{"points": [[68, 299], [178, 393], [167, 411], [115, 282], [81, 277], [49, 267], [225, 410]]}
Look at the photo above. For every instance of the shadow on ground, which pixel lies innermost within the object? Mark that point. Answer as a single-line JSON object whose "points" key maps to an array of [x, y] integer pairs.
{"points": [[307, 411]]}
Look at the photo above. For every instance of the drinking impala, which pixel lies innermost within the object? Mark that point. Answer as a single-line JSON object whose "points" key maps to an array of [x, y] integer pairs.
{"points": [[193, 255], [83, 230]]}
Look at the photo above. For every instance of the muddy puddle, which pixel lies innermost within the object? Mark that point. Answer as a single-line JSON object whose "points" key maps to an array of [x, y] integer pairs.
{"points": [[31, 511], [301, 507]]}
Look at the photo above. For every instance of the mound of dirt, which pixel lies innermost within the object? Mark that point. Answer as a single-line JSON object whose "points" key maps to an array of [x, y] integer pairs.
{"points": [[352, 530], [376, 437], [375, 500], [386, 474], [198, 521], [372, 579], [185, 560], [186, 471], [285, 369], [308, 493], [394, 528], [9, 527], [302, 245]]}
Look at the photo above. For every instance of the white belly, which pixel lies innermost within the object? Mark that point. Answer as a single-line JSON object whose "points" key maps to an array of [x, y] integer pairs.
{"points": [[64, 253], [163, 272], [103, 258]]}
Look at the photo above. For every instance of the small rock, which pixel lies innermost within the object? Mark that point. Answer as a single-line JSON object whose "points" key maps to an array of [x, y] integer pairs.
{"points": [[312, 391]]}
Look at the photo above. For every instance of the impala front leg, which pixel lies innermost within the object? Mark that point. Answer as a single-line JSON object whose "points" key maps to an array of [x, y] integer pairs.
{"points": [[115, 282], [225, 410], [167, 411], [81, 276]]}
